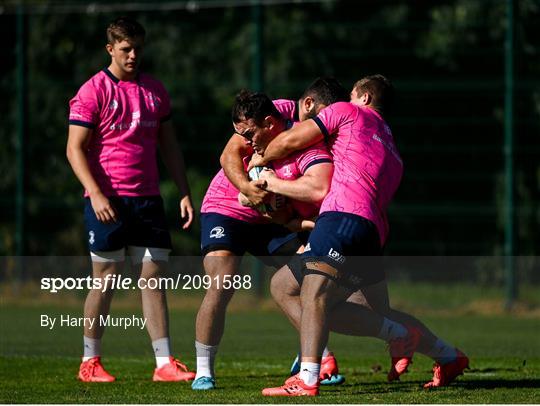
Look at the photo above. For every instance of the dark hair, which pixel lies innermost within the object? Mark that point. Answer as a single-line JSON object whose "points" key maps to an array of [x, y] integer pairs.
{"points": [[326, 90], [380, 89], [124, 28], [251, 105]]}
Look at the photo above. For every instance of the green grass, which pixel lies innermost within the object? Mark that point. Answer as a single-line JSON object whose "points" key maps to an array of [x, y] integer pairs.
{"points": [[39, 366]]}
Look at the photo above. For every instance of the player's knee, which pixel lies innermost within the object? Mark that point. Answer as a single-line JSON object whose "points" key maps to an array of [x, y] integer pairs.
{"points": [[314, 298], [283, 285], [381, 306], [104, 271], [218, 295]]}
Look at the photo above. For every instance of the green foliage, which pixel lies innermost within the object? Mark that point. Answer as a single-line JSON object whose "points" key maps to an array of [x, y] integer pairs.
{"points": [[445, 58]]}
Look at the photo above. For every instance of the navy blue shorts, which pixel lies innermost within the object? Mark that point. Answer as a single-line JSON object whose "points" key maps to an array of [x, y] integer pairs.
{"points": [[272, 243], [348, 243], [140, 222]]}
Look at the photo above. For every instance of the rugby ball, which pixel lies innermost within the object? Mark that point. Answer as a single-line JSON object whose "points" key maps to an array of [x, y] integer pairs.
{"points": [[255, 172], [276, 202]]}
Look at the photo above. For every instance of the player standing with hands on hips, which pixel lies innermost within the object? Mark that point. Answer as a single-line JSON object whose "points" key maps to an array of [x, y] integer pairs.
{"points": [[116, 121]]}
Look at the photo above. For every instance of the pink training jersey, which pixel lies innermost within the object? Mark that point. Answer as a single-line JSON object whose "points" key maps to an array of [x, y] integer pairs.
{"points": [[222, 197], [125, 117], [367, 164], [296, 165]]}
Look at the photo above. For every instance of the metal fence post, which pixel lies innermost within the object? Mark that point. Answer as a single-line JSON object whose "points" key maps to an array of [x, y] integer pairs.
{"points": [[511, 285], [20, 197]]}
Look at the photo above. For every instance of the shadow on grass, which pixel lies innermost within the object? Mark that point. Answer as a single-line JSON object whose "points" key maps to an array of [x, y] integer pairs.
{"points": [[415, 386], [499, 383]]}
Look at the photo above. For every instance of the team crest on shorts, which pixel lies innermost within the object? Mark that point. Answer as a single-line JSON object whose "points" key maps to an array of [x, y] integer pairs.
{"points": [[217, 232], [91, 238]]}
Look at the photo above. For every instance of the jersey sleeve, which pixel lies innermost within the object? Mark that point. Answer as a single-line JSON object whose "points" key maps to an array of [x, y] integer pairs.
{"points": [[314, 155], [84, 107], [332, 117], [287, 108]]}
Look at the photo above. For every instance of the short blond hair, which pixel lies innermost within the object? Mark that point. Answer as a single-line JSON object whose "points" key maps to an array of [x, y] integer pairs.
{"points": [[124, 28], [379, 88]]}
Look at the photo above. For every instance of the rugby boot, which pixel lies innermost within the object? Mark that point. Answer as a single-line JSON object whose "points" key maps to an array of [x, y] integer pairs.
{"points": [[174, 371], [93, 371], [295, 367], [329, 374], [443, 375], [203, 383], [294, 386], [401, 351]]}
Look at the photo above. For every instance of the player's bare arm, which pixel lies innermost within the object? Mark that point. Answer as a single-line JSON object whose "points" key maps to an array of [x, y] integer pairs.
{"points": [[174, 161], [312, 187], [78, 139], [231, 161], [301, 136]]}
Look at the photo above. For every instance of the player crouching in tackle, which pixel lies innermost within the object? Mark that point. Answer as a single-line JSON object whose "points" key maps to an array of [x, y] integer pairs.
{"points": [[322, 92], [229, 229], [353, 222], [117, 119]]}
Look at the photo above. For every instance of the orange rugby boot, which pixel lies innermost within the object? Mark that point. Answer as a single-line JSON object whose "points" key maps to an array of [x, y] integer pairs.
{"points": [[174, 371], [294, 386], [93, 371], [445, 374], [401, 351]]}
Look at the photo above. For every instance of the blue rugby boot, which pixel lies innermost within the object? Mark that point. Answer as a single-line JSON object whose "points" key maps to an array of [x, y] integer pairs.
{"points": [[203, 383]]}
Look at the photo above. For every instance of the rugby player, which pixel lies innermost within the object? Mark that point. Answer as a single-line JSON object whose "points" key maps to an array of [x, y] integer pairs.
{"points": [[352, 222], [228, 228], [117, 120]]}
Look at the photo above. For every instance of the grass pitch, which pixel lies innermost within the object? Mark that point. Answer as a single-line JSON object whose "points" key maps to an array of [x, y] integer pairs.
{"points": [[39, 366]]}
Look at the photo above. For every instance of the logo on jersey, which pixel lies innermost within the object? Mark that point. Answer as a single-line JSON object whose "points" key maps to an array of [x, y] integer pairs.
{"points": [[91, 238], [336, 256], [287, 171], [217, 232], [308, 247], [113, 105]]}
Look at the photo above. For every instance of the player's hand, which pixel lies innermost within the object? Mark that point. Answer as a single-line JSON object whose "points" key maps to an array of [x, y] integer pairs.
{"points": [[307, 225], [256, 160], [255, 193], [267, 175], [103, 208], [244, 201], [186, 211]]}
